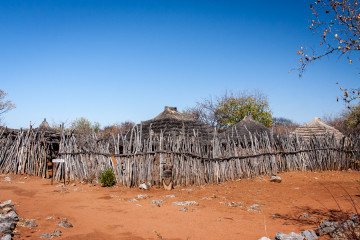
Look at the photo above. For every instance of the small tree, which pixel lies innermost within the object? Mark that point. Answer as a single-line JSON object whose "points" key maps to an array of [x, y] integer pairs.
{"points": [[337, 121], [96, 127], [58, 126], [107, 177], [204, 111], [84, 125], [347, 122], [5, 106], [121, 128], [281, 121], [283, 125], [352, 118], [230, 109]]}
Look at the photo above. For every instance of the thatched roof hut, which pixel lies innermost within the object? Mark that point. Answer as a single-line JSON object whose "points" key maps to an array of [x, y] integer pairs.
{"points": [[245, 127], [44, 125], [172, 122], [317, 128]]}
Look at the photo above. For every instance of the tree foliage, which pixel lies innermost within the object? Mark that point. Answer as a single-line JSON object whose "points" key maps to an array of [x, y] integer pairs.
{"points": [[229, 109], [119, 128], [338, 24], [283, 125], [281, 121], [352, 118], [60, 125], [5, 106], [349, 95], [204, 111], [84, 125], [347, 122]]}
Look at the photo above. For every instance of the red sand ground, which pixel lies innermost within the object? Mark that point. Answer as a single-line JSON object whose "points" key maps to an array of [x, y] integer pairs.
{"points": [[105, 213]]}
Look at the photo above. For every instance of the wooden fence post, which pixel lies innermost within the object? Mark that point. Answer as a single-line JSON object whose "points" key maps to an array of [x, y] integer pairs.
{"points": [[162, 158]]}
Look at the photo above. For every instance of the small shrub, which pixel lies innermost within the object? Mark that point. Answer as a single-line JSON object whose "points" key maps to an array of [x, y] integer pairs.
{"points": [[107, 177]]}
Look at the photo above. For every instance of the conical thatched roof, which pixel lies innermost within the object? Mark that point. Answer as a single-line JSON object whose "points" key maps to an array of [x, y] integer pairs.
{"points": [[44, 125], [246, 126], [172, 113], [172, 122], [317, 128]]}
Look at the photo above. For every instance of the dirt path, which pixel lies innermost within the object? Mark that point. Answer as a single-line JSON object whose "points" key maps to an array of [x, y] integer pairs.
{"points": [[106, 213]]}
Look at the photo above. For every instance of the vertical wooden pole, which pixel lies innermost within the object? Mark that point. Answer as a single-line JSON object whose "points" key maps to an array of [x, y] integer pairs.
{"points": [[162, 159], [64, 171], [52, 173]]}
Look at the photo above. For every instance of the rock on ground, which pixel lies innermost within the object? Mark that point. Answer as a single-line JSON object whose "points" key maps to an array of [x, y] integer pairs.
{"points": [[8, 219], [56, 233], [29, 223], [309, 235], [170, 196], [276, 179], [206, 198], [7, 203], [46, 235], [185, 203], [184, 209], [305, 215], [254, 207], [145, 196], [7, 179], [326, 227], [290, 236], [7, 228], [145, 186], [234, 204], [156, 202], [6, 237], [65, 224], [9, 213]]}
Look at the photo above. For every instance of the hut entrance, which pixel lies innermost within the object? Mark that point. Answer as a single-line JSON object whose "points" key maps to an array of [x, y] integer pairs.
{"points": [[60, 164]]}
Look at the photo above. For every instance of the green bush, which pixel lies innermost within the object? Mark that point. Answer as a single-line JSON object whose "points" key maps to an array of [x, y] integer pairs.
{"points": [[107, 177]]}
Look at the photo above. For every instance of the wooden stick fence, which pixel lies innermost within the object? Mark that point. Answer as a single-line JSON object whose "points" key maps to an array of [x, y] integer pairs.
{"points": [[193, 162], [23, 152]]}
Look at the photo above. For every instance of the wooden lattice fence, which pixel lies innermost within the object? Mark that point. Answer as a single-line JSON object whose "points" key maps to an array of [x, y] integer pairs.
{"points": [[192, 161]]}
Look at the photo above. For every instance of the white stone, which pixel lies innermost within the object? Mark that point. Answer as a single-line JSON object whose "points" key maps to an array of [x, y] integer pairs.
{"points": [[185, 203], [276, 179]]}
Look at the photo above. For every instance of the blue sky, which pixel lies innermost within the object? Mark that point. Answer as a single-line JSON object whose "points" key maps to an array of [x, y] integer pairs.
{"points": [[112, 61]]}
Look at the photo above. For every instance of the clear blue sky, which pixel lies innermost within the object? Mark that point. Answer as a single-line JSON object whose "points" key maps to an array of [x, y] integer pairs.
{"points": [[112, 61]]}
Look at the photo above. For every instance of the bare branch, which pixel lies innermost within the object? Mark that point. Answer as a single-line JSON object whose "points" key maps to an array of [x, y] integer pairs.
{"points": [[5, 106], [338, 25]]}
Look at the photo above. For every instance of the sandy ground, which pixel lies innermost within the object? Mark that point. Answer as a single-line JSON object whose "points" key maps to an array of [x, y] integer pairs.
{"points": [[106, 213]]}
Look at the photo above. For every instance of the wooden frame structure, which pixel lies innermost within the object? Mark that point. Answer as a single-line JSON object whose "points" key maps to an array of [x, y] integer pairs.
{"points": [[190, 160]]}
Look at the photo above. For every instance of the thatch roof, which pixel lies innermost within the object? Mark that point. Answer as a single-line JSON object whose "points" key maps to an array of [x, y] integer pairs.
{"points": [[44, 125], [172, 113], [317, 128], [172, 122], [244, 127]]}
